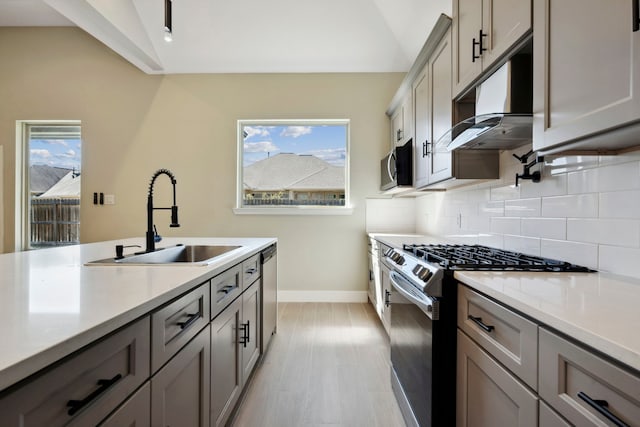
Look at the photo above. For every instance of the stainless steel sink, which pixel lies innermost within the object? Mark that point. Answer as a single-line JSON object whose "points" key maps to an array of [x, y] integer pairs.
{"points": [[176, 255]]}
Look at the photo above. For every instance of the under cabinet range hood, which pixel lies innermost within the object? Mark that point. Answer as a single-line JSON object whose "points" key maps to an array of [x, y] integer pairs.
{"points": [[503, 111]]}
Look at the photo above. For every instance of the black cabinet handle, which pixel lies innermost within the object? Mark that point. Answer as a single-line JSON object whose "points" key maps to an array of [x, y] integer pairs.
{"points": [[251, 270], [474, 43], [602, 407], [387, 299], [248, 332], [398, 134], [226, 289], [478, 321], [245, 333], [193, 318], [75, 405], [635, 15], [480, 43]]}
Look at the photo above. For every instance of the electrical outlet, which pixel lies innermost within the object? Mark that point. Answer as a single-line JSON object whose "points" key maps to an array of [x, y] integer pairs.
{"points": [[109, 199]]}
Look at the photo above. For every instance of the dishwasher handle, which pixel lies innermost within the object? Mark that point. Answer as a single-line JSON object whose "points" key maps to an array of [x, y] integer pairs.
{"points": [[268, 253], [427, 304]]}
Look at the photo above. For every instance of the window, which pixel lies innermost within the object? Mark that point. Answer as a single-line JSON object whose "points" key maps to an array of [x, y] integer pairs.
{"points": [[293, 166], [48, 181]]}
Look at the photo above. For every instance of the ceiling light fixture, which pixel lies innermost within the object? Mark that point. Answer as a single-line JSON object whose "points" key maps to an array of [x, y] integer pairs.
{"points": [[168, 35]]}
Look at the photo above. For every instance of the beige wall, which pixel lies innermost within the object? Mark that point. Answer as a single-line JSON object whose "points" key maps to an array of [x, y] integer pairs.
{"points": [[134, 123]]}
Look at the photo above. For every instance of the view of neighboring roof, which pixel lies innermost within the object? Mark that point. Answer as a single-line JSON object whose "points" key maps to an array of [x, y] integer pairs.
{"points": [[67, 187], [287, 171], [43, 177]]}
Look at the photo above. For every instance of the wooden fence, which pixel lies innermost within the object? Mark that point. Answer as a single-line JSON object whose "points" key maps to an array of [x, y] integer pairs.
{"points": [[55, 222]]}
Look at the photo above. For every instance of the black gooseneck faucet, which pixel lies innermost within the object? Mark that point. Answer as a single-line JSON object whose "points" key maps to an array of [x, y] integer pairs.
{"points": [[151, 233]]}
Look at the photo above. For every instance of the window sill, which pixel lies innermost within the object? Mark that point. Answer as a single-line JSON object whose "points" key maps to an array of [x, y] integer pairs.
{"points": [[294, 210]]}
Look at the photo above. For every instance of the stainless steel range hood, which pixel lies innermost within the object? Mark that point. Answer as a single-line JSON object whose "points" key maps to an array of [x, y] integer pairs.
{"points": [[503, 108]]}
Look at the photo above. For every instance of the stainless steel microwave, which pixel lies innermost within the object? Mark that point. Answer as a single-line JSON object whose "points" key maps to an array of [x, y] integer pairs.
{"points": [[396, 168]]}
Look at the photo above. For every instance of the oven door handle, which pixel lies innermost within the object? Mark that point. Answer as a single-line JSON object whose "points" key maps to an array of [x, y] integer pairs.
{"points": [[427, 304]]}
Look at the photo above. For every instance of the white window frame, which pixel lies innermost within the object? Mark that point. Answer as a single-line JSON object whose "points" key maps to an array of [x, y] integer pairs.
{"points": [[22, 231], [239, 209]]}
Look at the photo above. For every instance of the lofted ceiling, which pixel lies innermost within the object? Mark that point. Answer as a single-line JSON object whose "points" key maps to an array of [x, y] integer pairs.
{"points": [[246, 36]]}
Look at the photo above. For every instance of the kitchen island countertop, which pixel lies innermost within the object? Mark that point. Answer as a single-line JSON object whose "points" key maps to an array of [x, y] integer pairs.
{"points": [[598, 309], [52, 304]]}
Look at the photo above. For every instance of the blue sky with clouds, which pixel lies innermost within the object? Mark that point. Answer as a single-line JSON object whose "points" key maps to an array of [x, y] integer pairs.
{"points": [[64, 153], [327, 142]]}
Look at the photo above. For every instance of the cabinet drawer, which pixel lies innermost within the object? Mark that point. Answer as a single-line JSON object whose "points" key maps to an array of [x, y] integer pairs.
{"points": [[570, 376], [250, 271], [175, 324], [487, 394], [507, 336], [548, 418], [85, 387], [225, 287], [134, 412]]}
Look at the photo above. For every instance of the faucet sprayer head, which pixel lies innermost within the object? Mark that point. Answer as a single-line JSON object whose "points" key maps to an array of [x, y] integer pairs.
{"points": [[174, 217]]}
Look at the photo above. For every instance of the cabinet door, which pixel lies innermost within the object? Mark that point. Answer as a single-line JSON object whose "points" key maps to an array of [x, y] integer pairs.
{"points": [[134, 412], [504, 22], [466, 25], [250, 330], [487, 394], [180, 390], [385, 314], [226, 375], [407, 117], [397, 124], [586, 69], [440, 159], [422, 140]]}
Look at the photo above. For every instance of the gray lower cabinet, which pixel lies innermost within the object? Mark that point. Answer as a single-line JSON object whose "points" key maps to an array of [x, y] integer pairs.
{"points": [[180, 390], [548, 417], [584, 388], [250, 340], [487, 394], [84, 388], [226, 376], [134, 412]]}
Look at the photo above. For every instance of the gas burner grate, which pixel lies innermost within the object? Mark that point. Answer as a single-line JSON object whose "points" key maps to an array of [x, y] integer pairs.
{"points": [[476, 257]]}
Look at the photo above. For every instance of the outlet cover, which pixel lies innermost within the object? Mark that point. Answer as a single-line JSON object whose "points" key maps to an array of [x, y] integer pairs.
{"points": [[109, 199]]}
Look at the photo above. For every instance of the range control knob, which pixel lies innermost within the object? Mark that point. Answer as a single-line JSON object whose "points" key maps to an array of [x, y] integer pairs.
{"points": [[422, 273]]}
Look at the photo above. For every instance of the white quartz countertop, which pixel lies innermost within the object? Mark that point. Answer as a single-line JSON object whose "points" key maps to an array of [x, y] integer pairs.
{"points": [[598, 309], [52, 304]]}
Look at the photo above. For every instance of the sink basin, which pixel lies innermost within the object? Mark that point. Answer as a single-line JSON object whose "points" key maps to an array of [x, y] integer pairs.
{"points": [[175, 255]]}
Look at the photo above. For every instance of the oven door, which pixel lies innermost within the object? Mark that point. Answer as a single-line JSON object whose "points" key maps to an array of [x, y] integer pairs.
{"points": [[413, 315]]}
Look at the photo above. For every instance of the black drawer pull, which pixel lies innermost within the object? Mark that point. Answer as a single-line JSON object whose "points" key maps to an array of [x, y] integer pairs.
{"points": [[251, 270], [478, 321], [76, 405], [193, 318], [245, 334], [602, 407], [387, 298], [226, 289]]}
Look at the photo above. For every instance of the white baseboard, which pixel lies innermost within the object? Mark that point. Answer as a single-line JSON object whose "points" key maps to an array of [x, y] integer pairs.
{"points": [[322, 296]]}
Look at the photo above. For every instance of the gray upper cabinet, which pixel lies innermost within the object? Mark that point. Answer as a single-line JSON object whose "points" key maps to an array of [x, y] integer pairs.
{"points": [[402, 121], [482, 32], [432, 95], [586, 75]]}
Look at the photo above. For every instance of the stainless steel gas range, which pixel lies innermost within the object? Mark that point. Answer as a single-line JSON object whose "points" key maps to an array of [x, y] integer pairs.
{"points": [[423, 320]]}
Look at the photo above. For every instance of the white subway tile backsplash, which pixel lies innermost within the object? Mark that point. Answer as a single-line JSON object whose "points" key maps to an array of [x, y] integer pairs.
{"points": [[492, 240], [494, 208], [548, 186], [578, 206], [620, 204], [526, 245], [522, 207], [547, 228], [505, 225], [624, 176], [586, 210], [505, 193], [619, 260], [584, 254], [618, 232]]}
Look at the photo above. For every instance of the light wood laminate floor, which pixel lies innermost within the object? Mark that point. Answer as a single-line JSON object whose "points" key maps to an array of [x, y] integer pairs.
{"points": [[328, 365]]}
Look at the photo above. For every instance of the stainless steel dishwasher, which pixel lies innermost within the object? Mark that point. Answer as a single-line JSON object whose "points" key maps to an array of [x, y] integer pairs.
{"points": [[269, 261]]}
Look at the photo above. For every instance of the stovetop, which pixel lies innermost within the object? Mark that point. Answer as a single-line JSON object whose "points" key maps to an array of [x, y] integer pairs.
{"points": [[479, 258]]}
